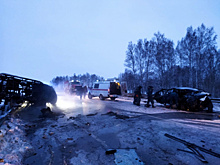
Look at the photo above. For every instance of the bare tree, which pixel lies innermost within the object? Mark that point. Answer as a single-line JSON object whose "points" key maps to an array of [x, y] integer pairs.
{"points": [[130, 58], [140, 60]]}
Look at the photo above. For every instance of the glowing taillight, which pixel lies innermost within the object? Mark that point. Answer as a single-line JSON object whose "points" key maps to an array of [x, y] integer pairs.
{"points": [[108, 90]]}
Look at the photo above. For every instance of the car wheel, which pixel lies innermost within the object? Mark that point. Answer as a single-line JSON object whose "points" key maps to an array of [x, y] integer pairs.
{"points": [[112, 98], [89, 96], [101, 97]]}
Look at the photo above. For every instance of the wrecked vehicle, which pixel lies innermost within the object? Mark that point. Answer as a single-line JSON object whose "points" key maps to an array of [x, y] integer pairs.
{"points": [[16, 89], [185, 98]]}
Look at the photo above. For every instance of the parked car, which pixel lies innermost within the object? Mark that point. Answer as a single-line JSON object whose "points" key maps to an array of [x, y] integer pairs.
{"points": [[185, 98], [105, 89]]}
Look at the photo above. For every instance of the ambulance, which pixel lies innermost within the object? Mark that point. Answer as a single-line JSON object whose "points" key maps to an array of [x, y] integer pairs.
{"points": [[105, 89]]}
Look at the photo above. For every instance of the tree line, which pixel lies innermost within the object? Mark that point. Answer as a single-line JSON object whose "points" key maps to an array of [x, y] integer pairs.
{"points": [[85, 79], [193, 62]]}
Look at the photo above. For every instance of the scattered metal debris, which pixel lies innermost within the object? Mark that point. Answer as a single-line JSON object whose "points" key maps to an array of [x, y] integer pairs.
{"points": [[196, 153], [117, 115], [110, 151], [194, 148], [93, 114]]}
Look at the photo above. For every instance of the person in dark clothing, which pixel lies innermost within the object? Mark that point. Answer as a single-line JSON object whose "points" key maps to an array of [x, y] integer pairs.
{"points": [[137, 96], [84, 91], [150, 96], [80, 92], [174, 99]]}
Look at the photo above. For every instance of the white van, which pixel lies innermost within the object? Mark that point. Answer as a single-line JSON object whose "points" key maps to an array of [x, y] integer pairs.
{"points": [[105, 89]]}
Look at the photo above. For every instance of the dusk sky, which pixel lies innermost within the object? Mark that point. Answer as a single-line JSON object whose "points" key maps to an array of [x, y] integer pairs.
{"points": [[42, 39]]}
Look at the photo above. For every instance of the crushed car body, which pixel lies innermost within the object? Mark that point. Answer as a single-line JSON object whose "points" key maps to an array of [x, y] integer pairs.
{"points": [[18, 89], [185, 98]]}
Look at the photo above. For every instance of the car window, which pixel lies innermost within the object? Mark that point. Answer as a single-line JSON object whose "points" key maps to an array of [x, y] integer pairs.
{"points": [[96, 86]]}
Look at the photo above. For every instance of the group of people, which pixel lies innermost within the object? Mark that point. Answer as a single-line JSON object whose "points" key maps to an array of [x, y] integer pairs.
{"points": [[137, 96], [82, 92]]}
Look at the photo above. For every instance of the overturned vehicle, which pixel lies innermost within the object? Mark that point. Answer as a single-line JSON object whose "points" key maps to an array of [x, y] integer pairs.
{"points": [[16, 90], [185, 98]]}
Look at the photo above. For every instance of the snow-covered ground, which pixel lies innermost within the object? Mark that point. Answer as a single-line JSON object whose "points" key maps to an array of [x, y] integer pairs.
{"points": [[216, 107], [88, 128], [13, 144]]}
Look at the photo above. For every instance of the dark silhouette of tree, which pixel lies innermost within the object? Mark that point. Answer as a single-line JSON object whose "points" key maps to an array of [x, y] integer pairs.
{"points": [[140, 58], [130, 61], [194, 62]]}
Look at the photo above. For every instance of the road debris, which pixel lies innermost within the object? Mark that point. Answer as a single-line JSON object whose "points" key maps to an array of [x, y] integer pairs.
{"points": [[110, 151], [194, 148], [118, 116], [51, 133]]}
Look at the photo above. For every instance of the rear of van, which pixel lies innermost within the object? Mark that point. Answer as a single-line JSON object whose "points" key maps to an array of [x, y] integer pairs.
{"points": [[114, 90]]}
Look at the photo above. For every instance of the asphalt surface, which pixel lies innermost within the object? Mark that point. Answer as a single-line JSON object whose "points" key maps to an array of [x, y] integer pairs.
{"points": [[116, 132]]}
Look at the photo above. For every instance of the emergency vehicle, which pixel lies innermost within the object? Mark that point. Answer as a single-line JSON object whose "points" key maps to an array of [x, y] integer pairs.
{"points": [[72, 87], [105, 89]]}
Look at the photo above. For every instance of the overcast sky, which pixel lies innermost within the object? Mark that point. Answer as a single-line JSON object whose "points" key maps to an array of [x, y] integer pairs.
{"points": [[42, 39]]}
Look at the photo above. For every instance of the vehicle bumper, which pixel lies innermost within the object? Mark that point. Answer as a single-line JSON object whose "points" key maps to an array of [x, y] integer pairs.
{"points": [[113, 96]]}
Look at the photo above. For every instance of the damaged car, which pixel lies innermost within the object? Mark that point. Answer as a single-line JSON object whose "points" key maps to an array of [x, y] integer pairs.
{"points": [[185, 98]]}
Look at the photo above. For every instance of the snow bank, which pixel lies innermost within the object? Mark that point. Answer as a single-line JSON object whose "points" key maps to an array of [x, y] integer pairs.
{"points": [[13, 145]]}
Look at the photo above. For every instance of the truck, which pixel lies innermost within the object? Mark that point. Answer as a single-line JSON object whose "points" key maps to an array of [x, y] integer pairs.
{"points": [[72, 87]]}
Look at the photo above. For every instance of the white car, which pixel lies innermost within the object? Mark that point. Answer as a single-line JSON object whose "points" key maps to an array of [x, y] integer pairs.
{"points": [[105, 89]]}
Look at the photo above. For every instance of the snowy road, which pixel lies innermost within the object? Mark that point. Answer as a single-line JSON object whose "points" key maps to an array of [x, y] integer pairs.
{"points": [[80, 132]]}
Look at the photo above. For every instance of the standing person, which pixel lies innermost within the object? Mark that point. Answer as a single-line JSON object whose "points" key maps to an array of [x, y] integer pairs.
{"points": [[137, 96], [80, 92], [84, 91], [174, 98], [150, 97]]}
